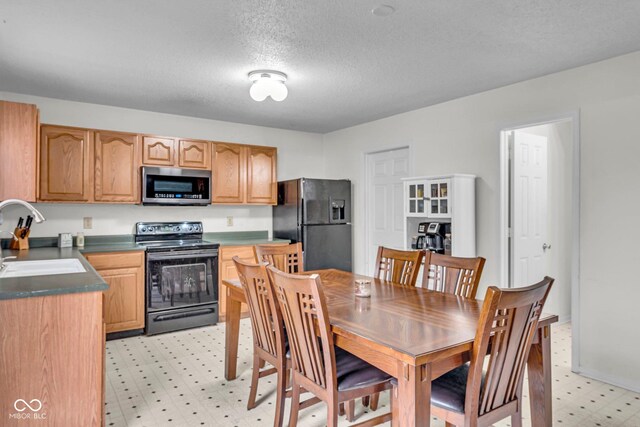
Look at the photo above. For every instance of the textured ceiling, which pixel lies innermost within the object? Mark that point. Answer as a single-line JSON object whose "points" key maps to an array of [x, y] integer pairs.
{"points": [[345, 65]]}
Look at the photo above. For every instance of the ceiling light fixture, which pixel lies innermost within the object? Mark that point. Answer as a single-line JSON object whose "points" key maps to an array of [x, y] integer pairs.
{"points": [[268, 83]]}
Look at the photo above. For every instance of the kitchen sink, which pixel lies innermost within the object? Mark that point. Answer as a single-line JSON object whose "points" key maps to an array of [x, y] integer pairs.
{"points": [[45, 267]]}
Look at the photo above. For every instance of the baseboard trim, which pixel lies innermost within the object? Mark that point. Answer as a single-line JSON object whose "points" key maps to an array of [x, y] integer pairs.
{"points": [[618, 382]]}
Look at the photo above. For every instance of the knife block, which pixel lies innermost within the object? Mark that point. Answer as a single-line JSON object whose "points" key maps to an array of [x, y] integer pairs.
{"points": [[20, 243]]}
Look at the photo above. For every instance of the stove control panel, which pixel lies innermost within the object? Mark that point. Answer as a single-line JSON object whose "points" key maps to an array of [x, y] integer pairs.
{"points": [[160, 228]]}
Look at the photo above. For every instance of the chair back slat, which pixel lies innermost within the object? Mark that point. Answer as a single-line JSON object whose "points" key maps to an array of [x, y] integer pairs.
{"points": [[507, 326], [266, 318], [304, 310], [452, 275], [287, 258], [398, 266]]}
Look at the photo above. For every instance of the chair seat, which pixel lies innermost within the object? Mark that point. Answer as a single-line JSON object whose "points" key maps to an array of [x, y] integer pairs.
{"points": [[353, 372], [449, 391]]}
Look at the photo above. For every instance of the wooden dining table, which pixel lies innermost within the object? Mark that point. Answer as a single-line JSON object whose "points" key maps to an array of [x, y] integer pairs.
{"points": [[411, 333]]}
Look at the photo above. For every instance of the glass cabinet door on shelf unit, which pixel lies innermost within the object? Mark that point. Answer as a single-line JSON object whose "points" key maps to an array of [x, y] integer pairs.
{"points": [[416, 194], [438, 198]]}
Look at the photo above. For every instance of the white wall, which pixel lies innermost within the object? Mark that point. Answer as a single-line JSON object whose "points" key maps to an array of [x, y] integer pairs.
{"points": [[462, 136], [299, 154], [559, 212]]}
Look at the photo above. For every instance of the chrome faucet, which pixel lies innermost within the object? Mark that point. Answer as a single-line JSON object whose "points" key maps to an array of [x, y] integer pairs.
{"points": [[36, 215]]}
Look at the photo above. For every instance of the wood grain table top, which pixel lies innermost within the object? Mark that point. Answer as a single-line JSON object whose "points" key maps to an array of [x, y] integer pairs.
{"points": [[413, 323]]}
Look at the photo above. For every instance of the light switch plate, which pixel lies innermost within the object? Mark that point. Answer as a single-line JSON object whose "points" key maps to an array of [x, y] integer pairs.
{"points": [[229, 221]]}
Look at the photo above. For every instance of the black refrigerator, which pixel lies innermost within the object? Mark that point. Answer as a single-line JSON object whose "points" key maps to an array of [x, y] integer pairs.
{"points": [[316, 212]]}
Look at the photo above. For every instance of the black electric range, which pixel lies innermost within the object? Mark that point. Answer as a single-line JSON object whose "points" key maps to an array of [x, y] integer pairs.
{"points": [[181, 276]]}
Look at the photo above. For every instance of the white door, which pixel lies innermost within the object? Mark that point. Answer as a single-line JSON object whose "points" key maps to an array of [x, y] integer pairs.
{"points": [[384, 202], [528, 209]]}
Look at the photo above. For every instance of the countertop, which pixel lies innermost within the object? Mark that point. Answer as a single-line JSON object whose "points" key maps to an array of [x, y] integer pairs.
{"points": [[241, 238], [45, 248], [125, 242], [37, 286]]}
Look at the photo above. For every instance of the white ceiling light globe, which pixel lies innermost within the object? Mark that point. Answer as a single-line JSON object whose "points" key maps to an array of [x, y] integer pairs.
{"points": [[279, 91], [259, 91]]}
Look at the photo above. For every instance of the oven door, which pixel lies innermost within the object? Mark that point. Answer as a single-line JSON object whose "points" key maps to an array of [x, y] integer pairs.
{"points": [[182, 278]]}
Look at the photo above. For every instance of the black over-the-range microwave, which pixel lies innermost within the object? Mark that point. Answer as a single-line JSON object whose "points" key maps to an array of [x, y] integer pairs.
{"points": [[175, 186]]}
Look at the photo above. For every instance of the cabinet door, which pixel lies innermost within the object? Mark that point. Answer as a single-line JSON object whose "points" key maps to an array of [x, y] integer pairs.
{"points": [[262, 183], [158, 151], [117, 169], [415, 198], [228, 271], [124, 300], [194, 154], [229, 173], [438, 198], [66, 173], [18, 151]]}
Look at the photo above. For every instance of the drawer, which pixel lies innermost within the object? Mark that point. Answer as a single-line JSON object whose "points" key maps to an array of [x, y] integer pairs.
{"points": [[115, 260], [242, 252]]}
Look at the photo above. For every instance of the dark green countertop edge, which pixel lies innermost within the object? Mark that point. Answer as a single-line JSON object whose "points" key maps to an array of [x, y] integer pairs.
{"points": [[125, 242], [240, 238], [58, 284]]}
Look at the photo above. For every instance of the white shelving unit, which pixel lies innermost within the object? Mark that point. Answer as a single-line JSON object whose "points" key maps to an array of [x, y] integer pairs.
{"points": [[443, 198]]}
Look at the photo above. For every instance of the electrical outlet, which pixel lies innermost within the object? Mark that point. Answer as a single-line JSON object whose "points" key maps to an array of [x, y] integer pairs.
{"points": [[229, 221], [87, 223]]}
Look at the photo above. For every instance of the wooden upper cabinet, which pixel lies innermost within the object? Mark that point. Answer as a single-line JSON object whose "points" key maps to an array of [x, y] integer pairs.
{"points": [[262, 183], [65, 164], [158, 151], [18, 151], [194, 154], [229, 173], [117, 166]]}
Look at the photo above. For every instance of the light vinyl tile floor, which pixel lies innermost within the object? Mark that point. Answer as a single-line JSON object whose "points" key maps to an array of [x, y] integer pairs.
{"points": [[177, 380]]}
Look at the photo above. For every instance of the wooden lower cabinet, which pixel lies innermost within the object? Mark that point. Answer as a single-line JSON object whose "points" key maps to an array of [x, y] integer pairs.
{"points": [[51, 349], [228, 270], [124, 301]]}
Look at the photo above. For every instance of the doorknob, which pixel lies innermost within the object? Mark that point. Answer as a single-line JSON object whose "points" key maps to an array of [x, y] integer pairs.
{"points": [[545, 246]]}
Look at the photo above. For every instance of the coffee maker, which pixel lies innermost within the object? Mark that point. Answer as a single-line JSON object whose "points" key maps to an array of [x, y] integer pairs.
{"points": [[431, 236]]}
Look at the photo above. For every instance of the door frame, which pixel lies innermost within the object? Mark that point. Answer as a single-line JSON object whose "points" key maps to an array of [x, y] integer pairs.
{"points": [[505, 202], [367, 212]]}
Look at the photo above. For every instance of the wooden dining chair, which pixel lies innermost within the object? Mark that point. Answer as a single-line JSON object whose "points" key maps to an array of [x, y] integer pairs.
{"points": [[287, 258], [453, 275], [398, 266], [330, 373], [268, 332], [474, 396]]}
